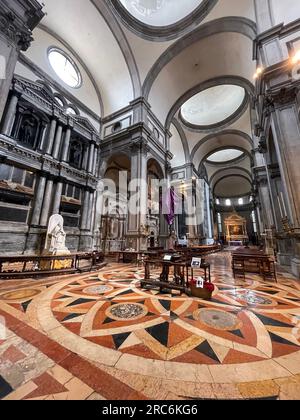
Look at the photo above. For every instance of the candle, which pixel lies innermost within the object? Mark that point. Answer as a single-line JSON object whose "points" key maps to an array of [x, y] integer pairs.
{"points": [[280, 208], [283, 202]]}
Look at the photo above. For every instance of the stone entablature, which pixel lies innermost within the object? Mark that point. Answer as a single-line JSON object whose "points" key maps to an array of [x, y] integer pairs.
{"points": [[136, 134], [138, 112]]}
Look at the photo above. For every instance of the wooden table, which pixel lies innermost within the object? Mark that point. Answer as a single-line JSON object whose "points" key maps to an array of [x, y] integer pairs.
{"points": [[182, 272], [180, 275], [254, 260]]}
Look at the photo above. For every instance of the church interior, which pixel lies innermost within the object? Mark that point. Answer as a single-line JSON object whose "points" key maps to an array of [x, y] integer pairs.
{"points": [[149, 200]]}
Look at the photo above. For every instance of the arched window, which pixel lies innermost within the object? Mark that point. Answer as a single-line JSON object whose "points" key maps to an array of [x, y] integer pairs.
{"points": [[71, 111], [241, 201], [228, 202]]}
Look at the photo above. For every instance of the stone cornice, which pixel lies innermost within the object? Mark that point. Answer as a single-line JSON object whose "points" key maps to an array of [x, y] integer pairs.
{"points": [[10, 150], [17, 30]]}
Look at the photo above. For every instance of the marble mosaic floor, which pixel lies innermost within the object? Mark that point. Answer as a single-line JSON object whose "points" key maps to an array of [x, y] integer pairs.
{"points": [[100, 336]]}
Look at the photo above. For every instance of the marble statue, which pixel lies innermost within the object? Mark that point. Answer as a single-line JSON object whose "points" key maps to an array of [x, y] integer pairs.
{"points": [[56, 236], [172, 241]]}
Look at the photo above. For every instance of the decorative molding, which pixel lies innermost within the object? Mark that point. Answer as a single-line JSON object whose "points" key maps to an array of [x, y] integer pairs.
{"points": [[162, 33], [36, 94]]}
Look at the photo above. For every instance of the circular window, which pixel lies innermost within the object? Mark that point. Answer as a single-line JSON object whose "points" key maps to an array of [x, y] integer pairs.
{"points": [[64, 67]]}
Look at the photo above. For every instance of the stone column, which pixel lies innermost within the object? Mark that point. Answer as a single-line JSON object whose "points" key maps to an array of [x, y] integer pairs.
{"points": [[91, 158], [42, 143], [57, 198], [286, 130], [35, 219], [95, 161], [66, 145], [98, 216], [137, 217], [85, 158], [90, 211], [10, 115], [51, 136], [46, 203], [85, 211], [57, 142], [191, 219]]}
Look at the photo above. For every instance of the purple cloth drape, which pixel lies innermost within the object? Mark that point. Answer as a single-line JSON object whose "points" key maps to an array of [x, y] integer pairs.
{"points": [[170, 206]]}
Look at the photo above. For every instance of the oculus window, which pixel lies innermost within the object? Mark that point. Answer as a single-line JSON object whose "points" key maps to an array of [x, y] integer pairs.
{"points": [[65, 68], [213, 106]]}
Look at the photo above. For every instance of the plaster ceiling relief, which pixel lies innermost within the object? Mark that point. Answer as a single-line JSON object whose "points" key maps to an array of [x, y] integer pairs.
{"points": [[160, 12], [224, 156], [213, 106]]}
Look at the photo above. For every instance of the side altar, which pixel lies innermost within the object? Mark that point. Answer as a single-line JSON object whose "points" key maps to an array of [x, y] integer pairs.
{"points": [[236, 229]]}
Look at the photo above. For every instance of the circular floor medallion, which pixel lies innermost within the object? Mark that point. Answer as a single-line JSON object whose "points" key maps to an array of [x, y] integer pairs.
{"points": [[20, 294], [217, 319], [127, 311], [254, 299], [98, 290]]}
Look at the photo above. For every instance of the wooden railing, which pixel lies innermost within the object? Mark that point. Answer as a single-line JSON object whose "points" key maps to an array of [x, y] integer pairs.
{"points": [[36, 266]]}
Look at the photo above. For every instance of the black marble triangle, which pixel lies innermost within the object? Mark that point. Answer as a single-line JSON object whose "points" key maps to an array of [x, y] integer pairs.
{"points": [[190, 317], [108, 321], [63, 297], [269, 321], [270, 292], [5, 388], [124, 293], [202, 307], [80, 302], [166, 304], [238, 333], [71, 316], [160, 333], [120, 338], [73, 284], [206, 349], [173, 316], [281, 340], [151, 314], [25, 305]]}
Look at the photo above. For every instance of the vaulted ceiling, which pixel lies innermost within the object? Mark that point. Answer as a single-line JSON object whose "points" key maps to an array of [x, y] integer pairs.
{"points": [[191, 60]]}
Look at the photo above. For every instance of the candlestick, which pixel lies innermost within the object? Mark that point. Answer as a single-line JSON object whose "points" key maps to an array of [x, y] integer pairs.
{"points": [[283, 202], [280, 208]]}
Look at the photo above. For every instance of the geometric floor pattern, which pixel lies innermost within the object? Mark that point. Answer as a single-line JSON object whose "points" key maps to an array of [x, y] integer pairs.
{"points": [[244, 343]]}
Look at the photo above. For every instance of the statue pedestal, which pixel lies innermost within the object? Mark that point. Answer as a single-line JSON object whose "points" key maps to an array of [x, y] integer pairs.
{"points": [[56, 264]]}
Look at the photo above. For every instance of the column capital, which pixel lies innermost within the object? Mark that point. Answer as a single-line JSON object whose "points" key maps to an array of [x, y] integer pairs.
{"points": [[139, 145], [16, 29]]}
